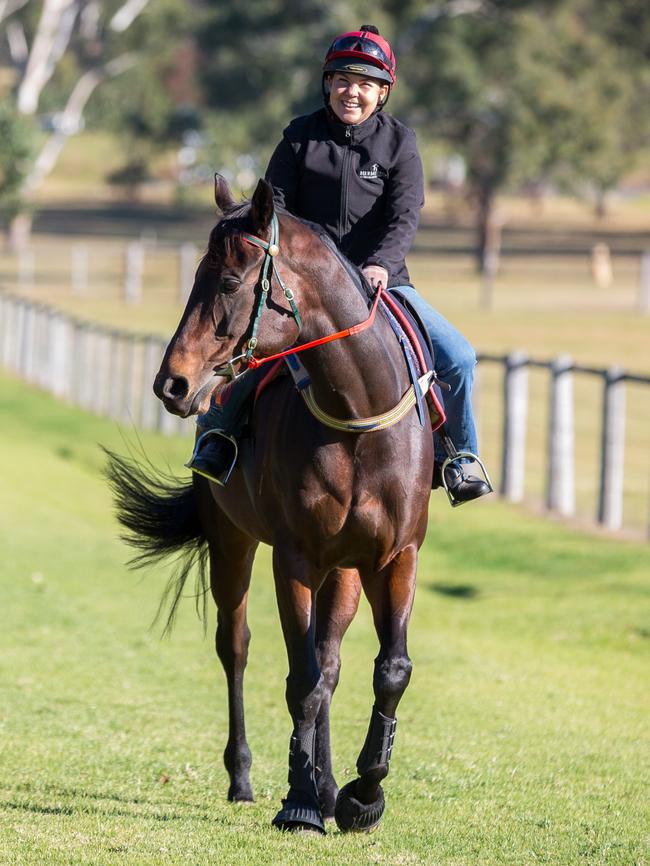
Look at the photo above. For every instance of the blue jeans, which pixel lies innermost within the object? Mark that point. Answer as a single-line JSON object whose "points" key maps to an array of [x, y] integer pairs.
{"points": [[455, 361]]}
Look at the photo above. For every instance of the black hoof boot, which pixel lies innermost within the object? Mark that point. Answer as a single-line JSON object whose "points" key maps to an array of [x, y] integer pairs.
{"points": [[327, 798], [353, 815], [299, 818]]}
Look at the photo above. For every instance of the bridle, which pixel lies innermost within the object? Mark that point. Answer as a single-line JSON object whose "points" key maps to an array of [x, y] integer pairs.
{"points": [[271, 249]]}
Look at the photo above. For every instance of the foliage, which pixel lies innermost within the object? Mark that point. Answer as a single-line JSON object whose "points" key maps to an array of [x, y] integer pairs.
{"points": [[17, 139], [141, 104], [527, 92], [260, 64]]}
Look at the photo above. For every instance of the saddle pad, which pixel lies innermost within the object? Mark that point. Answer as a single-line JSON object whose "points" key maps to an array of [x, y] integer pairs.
{"points": [[419, 341]]}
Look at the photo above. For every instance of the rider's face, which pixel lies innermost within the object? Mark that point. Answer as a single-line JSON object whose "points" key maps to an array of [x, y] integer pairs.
{"points": [[353, 98]]}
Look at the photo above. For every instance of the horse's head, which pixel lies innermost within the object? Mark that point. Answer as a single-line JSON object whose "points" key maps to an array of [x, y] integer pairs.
{"points": [[226, 304]]}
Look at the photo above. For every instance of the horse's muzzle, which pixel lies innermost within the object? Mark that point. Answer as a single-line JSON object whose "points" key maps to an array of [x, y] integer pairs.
{"points": [[178, 396]]}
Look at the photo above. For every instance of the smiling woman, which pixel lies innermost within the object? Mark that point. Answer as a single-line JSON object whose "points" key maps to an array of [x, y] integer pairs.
{"points": [[354, 98], [355, 171]]}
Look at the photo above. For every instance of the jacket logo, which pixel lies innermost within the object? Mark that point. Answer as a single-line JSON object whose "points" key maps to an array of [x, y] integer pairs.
{"points": [[373, 172]]}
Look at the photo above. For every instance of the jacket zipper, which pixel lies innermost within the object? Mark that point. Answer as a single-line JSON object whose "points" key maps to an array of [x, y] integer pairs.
{"points": [[343, 211]]}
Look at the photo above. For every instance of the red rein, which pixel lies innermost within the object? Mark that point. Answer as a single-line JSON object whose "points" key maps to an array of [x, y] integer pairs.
{"points": [[253, 363]]}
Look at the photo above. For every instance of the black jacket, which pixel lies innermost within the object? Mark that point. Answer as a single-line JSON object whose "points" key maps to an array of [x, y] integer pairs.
{"points": [[362, 183]]}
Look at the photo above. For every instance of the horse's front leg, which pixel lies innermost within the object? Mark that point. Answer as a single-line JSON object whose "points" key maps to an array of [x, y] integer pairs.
{"points": [[231, 562], [360, 804], [296, 585], [336, 605]]}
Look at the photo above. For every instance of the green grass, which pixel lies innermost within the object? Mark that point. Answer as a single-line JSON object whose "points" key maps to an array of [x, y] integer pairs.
{"points": [[522, 738]]}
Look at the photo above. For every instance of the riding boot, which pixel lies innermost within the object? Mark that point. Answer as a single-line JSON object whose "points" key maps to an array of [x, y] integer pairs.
{"points": [[463, 488], [214, 456]]}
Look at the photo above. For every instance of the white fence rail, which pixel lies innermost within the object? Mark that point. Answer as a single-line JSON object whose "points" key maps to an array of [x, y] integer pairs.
{"points": [[105, 371], [110, 373]]}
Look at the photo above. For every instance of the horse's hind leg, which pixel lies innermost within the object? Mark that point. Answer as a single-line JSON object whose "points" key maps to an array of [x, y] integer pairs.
{"points": [[336, 605], [360, 804], [231, 561]]}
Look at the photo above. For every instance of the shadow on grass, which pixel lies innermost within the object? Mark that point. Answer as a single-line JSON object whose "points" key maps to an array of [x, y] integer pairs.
{"points": [[455, 590], [86, 809], [108, 808]]}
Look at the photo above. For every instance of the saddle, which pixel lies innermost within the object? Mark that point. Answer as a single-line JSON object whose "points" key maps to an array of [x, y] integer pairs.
{"points": [[418, 353]]}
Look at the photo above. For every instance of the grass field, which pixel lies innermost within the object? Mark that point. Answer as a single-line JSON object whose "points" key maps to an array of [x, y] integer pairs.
{"points": [[522, 739]]}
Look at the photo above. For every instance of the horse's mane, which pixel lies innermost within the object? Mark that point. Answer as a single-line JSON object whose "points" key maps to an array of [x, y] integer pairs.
{"points": [[223, 240]]}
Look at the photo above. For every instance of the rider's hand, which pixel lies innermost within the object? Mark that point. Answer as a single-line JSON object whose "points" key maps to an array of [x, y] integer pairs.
{"points": [[375, 275]]}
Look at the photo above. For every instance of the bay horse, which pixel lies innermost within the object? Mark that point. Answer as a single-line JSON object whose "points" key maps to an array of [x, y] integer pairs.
{"points": [[342, 510]]}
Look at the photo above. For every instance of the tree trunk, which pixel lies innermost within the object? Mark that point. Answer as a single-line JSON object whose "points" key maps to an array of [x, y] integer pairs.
{"points": [[485, 228], [601, 204]]}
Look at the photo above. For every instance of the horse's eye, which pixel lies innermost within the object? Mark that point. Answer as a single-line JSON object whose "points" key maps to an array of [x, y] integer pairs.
{"points": [[229, 285]]}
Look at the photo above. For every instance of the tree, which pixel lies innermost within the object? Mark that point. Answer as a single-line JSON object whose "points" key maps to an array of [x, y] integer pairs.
{"points": [[74, 44], [525, 91], [260, 66], [16, 150]]}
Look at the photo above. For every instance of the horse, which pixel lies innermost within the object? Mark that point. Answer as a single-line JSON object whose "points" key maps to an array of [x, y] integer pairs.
{"points": [[343, 507]]}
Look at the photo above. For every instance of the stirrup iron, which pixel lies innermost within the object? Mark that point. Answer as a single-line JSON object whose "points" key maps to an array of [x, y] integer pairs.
{"points": [[455, 458], [194, 462]]}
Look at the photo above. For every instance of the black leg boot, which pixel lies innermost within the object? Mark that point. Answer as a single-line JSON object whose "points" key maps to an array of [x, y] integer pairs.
{"points": [[214, 456], [459, 486]]}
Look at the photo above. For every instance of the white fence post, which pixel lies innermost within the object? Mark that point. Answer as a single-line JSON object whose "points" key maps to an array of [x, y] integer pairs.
{"points": [[644, 285], [79, 269], [150, 364], [130, 379], [187, 257], [612, 451], [133, 270], [26, 361], [103, 374], [115, 394], [515, 417], [561, 451], [60, 356], [78, 362], [26, 268]]}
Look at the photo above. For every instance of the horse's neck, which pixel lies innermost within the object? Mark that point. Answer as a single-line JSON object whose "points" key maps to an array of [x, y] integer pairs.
{"points": [[359, 375]]}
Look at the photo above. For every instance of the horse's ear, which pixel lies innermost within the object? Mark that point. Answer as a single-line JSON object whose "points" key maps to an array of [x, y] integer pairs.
{"points": [[262, 206], [222, 195]]}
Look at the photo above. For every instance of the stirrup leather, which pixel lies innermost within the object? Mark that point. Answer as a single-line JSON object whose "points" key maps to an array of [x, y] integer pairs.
{"points": [[194, 462], [454, 458]]}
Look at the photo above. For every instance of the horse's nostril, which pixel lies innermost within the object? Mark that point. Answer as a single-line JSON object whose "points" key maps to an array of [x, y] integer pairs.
{"points": [[176, 387]]}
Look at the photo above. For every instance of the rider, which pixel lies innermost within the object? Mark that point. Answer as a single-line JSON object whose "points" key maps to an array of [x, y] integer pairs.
{"points": [[356, 171]]}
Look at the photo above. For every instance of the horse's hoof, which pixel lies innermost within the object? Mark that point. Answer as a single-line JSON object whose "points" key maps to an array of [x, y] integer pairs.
{"points": [[353, 815], [295, 818], [240, 794]]}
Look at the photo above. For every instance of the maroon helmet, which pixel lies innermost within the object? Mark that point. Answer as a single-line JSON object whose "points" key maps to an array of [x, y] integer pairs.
{"points": [[363, 52]]}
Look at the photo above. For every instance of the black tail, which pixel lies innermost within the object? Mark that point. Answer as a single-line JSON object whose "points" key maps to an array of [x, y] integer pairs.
{"points": [[160, 516]]}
